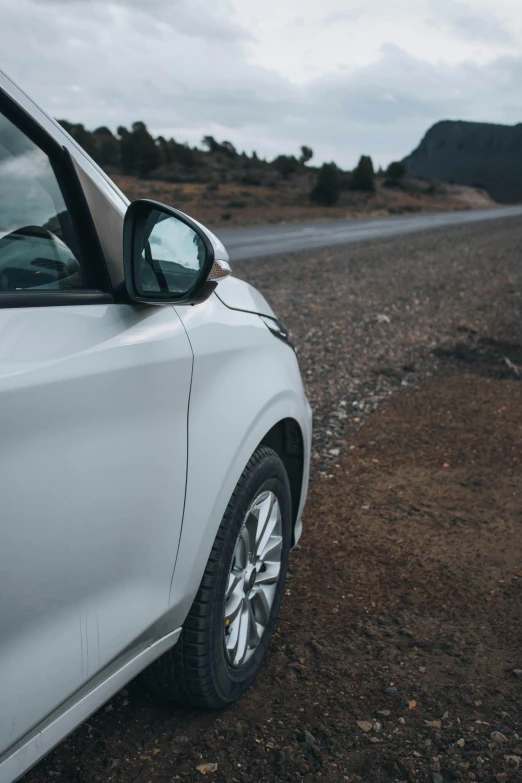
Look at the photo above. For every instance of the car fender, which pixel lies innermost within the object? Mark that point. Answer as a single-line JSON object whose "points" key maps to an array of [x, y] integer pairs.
{"points": [[244, 382]]}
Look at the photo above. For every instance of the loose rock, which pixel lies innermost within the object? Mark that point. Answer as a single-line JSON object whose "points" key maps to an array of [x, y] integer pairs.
{"points": [[205, 769]]}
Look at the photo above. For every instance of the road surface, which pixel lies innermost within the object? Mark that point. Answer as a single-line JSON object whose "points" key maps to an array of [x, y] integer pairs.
{"points": [[246, 243]]}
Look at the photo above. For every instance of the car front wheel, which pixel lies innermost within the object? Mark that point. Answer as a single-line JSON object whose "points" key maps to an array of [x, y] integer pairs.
{"points": [[231, 621]]}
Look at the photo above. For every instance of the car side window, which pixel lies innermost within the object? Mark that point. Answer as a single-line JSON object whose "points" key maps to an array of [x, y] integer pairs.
{"points": [[38, 244]]}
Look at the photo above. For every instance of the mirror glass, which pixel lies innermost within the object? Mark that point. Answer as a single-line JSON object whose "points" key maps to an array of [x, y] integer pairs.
{"points": [[172, 256]]}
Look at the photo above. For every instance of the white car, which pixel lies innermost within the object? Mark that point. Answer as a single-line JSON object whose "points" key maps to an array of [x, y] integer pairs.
{"points": [[154, 453]]}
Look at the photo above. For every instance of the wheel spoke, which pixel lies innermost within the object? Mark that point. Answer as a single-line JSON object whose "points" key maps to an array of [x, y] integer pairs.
{"points": [[267, 523], [253, 635], [261, 604], [234, 579], [243, 634], [242, 549], [233, 606], [272, 550], [270, 575]]}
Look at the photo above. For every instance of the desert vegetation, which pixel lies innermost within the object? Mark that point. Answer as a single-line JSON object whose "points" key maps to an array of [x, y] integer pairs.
{"points": [[221, 184]]}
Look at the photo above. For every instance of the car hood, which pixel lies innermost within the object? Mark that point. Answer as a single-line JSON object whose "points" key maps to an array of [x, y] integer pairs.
{"points": [[239, 295]]}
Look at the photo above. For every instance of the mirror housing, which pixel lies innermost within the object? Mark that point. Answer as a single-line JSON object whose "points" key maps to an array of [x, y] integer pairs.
{"points": [[168, 257]]}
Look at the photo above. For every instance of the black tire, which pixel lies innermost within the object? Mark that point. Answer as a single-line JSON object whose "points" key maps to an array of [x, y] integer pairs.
{"points": [[197, 672]]}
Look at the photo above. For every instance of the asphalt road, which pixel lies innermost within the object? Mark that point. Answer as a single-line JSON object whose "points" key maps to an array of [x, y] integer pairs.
{"points": [[246, 243]]}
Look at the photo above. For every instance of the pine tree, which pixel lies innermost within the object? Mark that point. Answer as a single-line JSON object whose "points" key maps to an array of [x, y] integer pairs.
{"points": [[363, 175], [327, 189]]}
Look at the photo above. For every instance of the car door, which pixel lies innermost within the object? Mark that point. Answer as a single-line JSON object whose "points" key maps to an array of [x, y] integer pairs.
{"points": [[93, 449]]}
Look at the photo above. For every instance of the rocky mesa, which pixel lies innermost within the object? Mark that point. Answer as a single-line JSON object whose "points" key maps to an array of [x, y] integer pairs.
{"points": [[479, 154]]}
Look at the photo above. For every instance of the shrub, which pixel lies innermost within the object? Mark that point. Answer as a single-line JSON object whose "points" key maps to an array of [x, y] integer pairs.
{"points": [[210, 143], [107, 147], [229, 149], [307, 154], [285, 165], [396, 170], [237, 204], [250, 179], [363, 177], [139, 153], [327, 189]]}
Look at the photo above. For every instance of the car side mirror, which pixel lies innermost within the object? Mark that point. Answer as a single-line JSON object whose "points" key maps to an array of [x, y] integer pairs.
{"points": [[168, 257]]}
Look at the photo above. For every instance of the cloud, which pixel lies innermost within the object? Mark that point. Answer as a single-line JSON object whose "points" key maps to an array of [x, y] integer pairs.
{"points": [[481, 26], [195, 18], [346, 15], [114, 63]]}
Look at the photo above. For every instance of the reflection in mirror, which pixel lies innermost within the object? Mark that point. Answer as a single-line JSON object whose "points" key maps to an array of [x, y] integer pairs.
{"points": [[172, 257], [38, 245]]}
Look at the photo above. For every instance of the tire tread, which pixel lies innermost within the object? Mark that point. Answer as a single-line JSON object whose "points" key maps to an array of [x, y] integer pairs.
{"points": [[184, 674]]}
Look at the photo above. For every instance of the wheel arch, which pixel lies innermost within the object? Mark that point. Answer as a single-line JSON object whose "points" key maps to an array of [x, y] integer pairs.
{"points": [[286, 439]]}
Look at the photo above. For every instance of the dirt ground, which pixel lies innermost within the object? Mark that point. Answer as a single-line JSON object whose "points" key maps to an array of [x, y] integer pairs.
{"points": [[398, 653], [228, 204]]}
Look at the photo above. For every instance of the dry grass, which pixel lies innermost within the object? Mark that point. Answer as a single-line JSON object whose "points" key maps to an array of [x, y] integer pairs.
{"points": [[236, 205]]}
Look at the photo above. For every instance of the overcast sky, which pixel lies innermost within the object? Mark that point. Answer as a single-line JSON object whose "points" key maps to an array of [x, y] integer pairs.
{"points": [[346, 77]]}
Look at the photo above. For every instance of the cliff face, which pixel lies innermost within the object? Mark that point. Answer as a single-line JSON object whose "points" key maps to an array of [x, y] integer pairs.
{"points": [[472, 153]]}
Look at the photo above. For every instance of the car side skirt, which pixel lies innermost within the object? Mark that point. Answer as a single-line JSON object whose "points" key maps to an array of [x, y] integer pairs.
{"points": [[31, 748]]}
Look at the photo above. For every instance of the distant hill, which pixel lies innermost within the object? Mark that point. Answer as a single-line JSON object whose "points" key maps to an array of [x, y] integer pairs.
{"points": [[472, 153]]}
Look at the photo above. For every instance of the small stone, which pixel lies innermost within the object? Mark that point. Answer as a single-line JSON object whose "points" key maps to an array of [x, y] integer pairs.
{"points": [[517, 673], [366, 507], [364, 725], [402, 721], [382, 318], [461, 742], [180, 740], [501, 777], [437, 778], [390, 690], [498, 737], [309, 738], [377, 726], [433, 724], [384, 713], [205, 769], [412, 704], [334, 452]]}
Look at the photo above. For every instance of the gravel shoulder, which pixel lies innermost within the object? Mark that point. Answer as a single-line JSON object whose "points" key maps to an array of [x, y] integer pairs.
{"points": [[398, 653]]}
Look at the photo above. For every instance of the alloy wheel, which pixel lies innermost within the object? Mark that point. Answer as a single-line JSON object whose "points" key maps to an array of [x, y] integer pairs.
{"points": [[252, 579]]}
